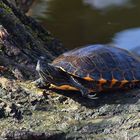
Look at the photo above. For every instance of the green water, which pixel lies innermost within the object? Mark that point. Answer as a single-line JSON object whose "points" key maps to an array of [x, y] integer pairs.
{"points": [[81, 22]]}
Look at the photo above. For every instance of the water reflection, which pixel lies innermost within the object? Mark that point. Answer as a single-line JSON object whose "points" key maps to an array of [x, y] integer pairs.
{"points": [[128, 39], [76, 23], [104, 4]]}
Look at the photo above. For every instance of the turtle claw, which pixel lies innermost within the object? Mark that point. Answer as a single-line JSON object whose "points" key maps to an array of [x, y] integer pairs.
{"points": [[92, 96], [85, 93]]}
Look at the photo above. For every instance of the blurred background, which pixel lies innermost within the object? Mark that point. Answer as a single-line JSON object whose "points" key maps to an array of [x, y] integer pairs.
{"points": [[81, 22]]}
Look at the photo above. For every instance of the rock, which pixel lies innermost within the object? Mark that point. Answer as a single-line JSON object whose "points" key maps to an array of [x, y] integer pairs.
{"points": [[111, 116], [29, 135]]}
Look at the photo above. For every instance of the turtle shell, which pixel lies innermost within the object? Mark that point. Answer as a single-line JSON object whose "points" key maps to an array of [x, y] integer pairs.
{"points": [[100, 63]]}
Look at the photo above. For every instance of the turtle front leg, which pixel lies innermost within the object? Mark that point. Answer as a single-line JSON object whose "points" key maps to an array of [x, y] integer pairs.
{"points": [[84, 91]]}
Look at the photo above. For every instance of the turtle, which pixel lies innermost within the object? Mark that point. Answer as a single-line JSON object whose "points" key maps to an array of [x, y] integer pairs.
{"points": [[91, 69]]}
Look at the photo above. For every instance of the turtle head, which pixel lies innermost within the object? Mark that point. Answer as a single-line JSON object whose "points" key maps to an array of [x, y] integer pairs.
{"points": [[50, 73], [45, 70]]}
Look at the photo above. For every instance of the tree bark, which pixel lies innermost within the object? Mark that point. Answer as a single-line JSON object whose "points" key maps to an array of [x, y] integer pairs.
{"points": [[23, 5], [23, 42]]}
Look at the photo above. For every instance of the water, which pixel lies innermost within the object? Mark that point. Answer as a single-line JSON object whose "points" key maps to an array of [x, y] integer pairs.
{"points": [[81, 22]]}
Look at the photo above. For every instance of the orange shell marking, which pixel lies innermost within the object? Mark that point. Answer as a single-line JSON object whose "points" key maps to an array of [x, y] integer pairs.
{"points": [[123, 82], [88, 78], [102, 81], [134, 81], [64, 87], [113, 81]]}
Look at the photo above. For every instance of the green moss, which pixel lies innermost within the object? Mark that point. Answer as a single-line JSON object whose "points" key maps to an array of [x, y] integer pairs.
{"points": [[7, 9]]}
